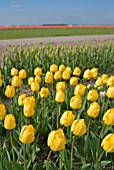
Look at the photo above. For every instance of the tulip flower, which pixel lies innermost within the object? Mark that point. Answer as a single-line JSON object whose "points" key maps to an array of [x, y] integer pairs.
{"points": [[92, 95], [14, 72], [108, 143], [93, 110], [77, 71], [22, 73], [67, 118], [2, 112], [38, 71], [10, 91], [108, 117]]}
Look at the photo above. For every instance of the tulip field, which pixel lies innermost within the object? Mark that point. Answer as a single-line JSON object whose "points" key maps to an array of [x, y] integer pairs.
{"points": [[57, 108]]}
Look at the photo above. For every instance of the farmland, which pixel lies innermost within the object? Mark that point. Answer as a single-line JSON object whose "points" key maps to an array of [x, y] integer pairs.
{"points": [[30, 32], [57, 107]]}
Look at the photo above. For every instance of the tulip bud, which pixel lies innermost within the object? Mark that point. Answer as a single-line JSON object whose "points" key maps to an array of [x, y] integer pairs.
{"points": [[77, 71], [94, 72], [9, 122], [38, 71], [78, 127], [75, 102], [56, 140], [60, 86], [99, 82], [22, 73], [49, 77], [73, 81], [44, 92], [62, 67], [2, 111], [53, 68], [30, 80], [57, 75], [92, 95], [14, 72], [65, 75], [108, 117], [68, 69], [0, 82], [67, 118], [21, 99], [38, 79], [10, 91], [80, 89], [110, 81], [105, 78], [108, 143], [60, 96], [28, 110], [27, 134], [94, 109], [35, 86], [87, 74], [110, 92], [16, 81]]}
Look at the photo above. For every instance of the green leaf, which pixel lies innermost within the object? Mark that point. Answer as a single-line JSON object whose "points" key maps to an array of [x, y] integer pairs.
{"points": [[86, 166], [16, 166], [104, 163]]}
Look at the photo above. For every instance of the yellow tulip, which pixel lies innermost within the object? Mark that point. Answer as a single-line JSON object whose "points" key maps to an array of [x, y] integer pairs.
{"points": [[105, 78], [57, 75], [78, 127], [108, 143], [99, 82], [0, 75], [38, 79], [30, 80], [14, 72], [108, 117], [92, 95], [110, 81], [94, 72], [27, 134], [56, 140], [44, 92], [0, 82], [60, 96], [80, 89], [60, 86], [73, 81], [77, 71], [65, 75], [30, 100], [28, 110], [94, 109], [68, 69], [62, 67], [9, 122], [110, 92], [10, 91], [49, 77], [38, 71], [35, 86], [16, 81], [67, 118], [87, 74], [22, 73], [75, 102], [53, 68], [21, 99], [2, 112]]}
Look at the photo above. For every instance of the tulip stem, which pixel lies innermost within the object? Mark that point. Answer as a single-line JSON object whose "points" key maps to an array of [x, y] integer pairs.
{"points": [[59, 109], [98, 144], [60, 160], [47, 162], [99, 159], [24, 156], [12, 149], [71, 157]]}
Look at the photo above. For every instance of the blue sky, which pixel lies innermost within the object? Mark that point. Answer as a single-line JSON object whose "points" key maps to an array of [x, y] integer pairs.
{"points": [[38, 12]]}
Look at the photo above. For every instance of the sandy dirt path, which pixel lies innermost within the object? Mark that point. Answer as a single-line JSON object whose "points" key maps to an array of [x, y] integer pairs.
{"points": [[61, 39]]}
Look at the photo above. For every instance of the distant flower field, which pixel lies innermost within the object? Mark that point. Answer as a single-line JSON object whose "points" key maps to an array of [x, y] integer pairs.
{"points": [[57, 108]]}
